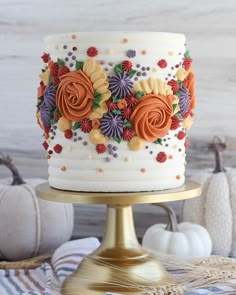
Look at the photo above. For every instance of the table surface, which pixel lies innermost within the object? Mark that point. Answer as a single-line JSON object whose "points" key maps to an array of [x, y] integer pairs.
{"points": [[190, 189]]}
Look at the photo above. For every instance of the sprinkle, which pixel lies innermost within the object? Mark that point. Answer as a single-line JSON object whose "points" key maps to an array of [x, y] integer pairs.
{"points": [[74, 48], [85, 143], [69, 148], [68, 133], [171, 53], [125, 40], [100, 170], [45, 145], [131, 53], [64, 46], [143, 170], [56, 46], [109, 51], [48, 157], [114, 148], [143, 52], [107, 159], [70, 53], [178, 177], [63, 168], [181, 135], [126, 159], [170, 157], [73, 36], [115, 155]]}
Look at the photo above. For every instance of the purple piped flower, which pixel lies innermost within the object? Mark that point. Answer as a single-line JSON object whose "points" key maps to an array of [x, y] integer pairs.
{"points": [[131, 53], [120, 85], [184, 101], [112, 125], [50, 97], [45, 115]]}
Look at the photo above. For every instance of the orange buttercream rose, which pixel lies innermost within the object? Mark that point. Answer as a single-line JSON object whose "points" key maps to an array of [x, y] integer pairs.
{"points": [[190, 84], [151, 117], [74, 96]]}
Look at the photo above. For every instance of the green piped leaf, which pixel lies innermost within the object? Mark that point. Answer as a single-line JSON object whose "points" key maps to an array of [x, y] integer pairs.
{"points": [[139, 94], [79, 65], [127, 123], [179, 116], [57, 112], [76, 126], [40, 98], [158, 141], [115, 99], [177, 93], [118, 68], [180, 83], [118, 139], [60, 62], [116, 112], [174, 106], [53, 121], [50, 79], [39, 105], [187, 54], [132, 73], [95, 105], [43, 70], [98, 96]]}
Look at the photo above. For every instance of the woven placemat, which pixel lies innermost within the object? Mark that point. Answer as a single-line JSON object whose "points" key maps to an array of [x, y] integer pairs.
{"points": [[30, 263]]}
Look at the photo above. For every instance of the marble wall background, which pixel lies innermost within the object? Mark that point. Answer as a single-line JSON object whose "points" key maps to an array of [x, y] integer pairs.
{"points": [[209, 25]]}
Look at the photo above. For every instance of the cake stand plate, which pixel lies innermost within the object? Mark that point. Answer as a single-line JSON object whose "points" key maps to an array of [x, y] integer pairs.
{"points": [[120, 264]]}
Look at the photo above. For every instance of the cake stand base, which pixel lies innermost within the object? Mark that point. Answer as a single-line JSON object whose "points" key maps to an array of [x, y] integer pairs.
{"points": [[120, 264]]}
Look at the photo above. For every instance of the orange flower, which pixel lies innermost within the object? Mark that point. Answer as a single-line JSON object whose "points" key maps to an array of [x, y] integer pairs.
{"points": [[122, 104], [74, 96], [95, 124], [151, 117], [190, 84]]}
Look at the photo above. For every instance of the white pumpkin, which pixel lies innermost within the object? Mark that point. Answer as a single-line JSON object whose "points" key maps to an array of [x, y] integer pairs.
{"points": [[184, 239], [29, 226], [215, 209]]}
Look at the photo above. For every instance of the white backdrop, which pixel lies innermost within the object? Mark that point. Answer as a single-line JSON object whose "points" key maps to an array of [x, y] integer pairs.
{"points": [[210, 28]]}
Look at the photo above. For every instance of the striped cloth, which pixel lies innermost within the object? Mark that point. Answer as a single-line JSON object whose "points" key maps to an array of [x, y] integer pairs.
{"points": [[48, 278]]}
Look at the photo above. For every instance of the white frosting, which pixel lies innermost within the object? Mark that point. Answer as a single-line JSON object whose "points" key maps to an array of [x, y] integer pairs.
{"points": [[79, 167], [86, 170]]}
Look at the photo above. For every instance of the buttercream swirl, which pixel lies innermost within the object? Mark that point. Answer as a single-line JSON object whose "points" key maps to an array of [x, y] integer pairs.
{"points": [[50, 97], [184, 101], [120, 85], [190, 83], [45, 115], [151, 117], [74, 96], [112, 125]]}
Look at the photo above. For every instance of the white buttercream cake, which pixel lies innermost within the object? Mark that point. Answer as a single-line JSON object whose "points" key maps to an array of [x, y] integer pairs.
{"points": [[115, 108]]}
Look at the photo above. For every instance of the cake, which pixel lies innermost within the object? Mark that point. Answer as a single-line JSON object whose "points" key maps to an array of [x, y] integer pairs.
{"points": [[115, 109]]}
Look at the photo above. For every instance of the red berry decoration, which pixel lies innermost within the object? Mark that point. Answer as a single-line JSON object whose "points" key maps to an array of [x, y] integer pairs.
{"points": [[92, 51], [162, 63], [127, 66], [174, 123], [187, 63], [132, 101], [174, 85], [63, 70], [45, 145], [43, 87], [184, 116], [53, 69], [126, 113], [186, 143], [127, 134], [111, 105], [45, 57], [68, 133], [57, 148], [161, 157], [86, 125], [100, 148], [181, 135], [56, 81]]}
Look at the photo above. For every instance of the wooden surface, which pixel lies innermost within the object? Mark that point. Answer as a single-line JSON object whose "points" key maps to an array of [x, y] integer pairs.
{"points": [[210, 28]]}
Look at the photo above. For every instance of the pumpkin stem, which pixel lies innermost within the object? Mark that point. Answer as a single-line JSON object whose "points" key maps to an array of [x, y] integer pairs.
{"points": [[7, 161], [172, 220], [218, 146]]}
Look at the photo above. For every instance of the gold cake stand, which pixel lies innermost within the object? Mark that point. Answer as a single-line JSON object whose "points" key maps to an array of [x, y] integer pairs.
{"points": [[120, 264]]}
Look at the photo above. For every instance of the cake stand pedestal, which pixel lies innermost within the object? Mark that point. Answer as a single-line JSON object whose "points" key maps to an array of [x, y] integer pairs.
{"points": [[120, 264]]}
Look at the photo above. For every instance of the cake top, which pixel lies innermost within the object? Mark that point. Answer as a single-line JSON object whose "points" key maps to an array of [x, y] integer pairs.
{"points": [[125, 86]]}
